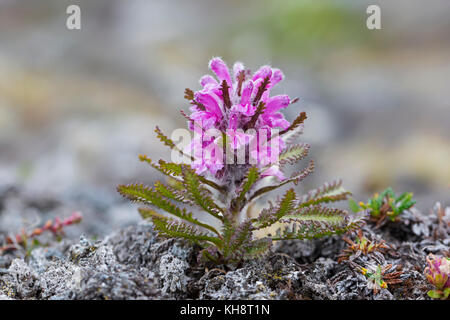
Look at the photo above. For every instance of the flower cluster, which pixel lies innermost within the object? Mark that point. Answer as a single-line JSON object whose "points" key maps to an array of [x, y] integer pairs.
{"points": [[235, 113], [438, 274]]}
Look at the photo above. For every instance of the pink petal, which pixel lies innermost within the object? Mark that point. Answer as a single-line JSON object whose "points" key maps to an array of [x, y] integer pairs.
{"points": [[277, 76], [276, 120], [248, 110], [210, 101], [237, 68], [247, 93], [273, 171], [233, 121], [276, 103], [208, 80], [219, 67], [262, 73], [204, 119]]}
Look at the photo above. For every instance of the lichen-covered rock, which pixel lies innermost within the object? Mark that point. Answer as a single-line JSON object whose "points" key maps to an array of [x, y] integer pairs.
{"points": [[266, 279], [134, 263], [173, 273], [85, 270], [20, 281]]}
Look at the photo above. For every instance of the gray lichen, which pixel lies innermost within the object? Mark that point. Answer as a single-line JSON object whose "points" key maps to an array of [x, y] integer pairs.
{"points": [[134, 263]]}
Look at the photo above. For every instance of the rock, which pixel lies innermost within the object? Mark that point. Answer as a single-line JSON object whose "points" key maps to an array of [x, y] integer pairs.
{"points": [[173, 273]]}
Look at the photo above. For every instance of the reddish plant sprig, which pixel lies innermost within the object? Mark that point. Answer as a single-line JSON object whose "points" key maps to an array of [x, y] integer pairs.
{"points": [[361, 246], [56, 227]]}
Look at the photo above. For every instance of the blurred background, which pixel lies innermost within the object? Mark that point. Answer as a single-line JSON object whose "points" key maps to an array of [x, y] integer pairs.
{"points": [[78, 106]]}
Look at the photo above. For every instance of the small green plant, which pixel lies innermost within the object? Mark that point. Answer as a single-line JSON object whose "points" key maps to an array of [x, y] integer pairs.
{"points": [[379, 277], [224, 188], [384, 206], [438, 274], [361, 246]]}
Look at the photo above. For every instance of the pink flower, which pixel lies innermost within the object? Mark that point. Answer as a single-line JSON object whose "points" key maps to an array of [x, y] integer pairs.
{"points": [[438, 271], [240, 107]]}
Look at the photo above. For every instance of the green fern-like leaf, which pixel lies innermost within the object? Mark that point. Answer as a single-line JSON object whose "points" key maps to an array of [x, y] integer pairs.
{"points": [[250, 180], [286, 204], [171, 193], [329, 192], [174, 170], [141, 193], [242, 236], [295, 178], [227, 234], [294, 154], [257, 248], [272, 214], [164, 139], [169, 142], [148, 214], [168, 168], [316, 221], [200, 195], [266, 218], [317, 213], [177, 229]]}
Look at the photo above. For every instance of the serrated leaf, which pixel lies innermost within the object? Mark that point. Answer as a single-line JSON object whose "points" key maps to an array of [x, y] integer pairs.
{"points": [[295, 178], [272, 214], [167, 168], [242, 236], [164, 139], [198, 194], [227, 234], [286, 204], [292, 136], [294, 153], [177, 229], [329, 192], [141, 193], [266, 217], [147, 214], [257, 248], [317, 213], [175, 170], [249, 181], [171, 193], [316, 221]]}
